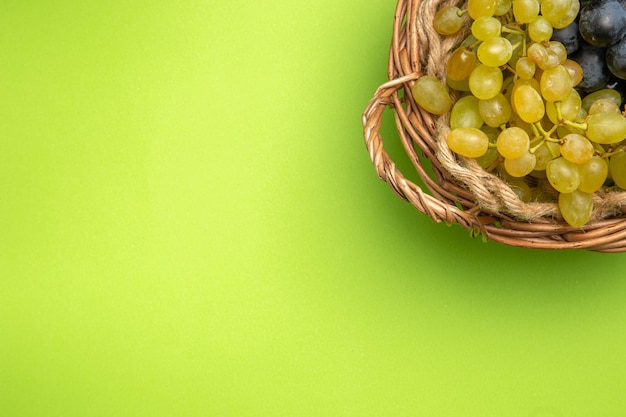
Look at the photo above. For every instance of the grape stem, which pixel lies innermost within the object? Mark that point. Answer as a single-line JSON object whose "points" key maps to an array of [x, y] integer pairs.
{"points": [[540, 132], [537, 146], [581, 126], [608, 154]]}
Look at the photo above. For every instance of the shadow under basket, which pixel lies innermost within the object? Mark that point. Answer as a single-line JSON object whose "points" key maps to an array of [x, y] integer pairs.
{"points": [[457, 190]]}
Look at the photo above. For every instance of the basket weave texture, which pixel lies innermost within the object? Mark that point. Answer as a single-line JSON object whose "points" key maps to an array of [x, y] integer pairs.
{"points": [[458, 190]]}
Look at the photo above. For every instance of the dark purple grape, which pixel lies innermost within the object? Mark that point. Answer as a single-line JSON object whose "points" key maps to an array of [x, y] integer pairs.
{"points": [[603, 22], [616, 59], [568, 36], [595, 71]]}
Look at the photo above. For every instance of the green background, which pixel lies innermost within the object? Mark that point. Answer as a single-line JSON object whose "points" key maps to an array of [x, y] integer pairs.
{"points": [[190, 225]]}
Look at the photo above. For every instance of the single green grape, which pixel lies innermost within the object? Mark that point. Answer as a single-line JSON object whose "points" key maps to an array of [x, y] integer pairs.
{"points": [[468, 141], [556, 10], [607, 93], [495, 111], [569, 17], [448, 20], [525, 68], [540, 29], [593, 173], [563, 175], [522, 166], [495, 51], [604, 105], [606, 128], [481, 8], [575, 71], [576, 148], [461, 63], [528, 104], [555, 83], [525, 11], [503, 7], [485, 82], [486, 27], [431, 95], [465, 113], [617, 168], [576, 207], [513, 142]]}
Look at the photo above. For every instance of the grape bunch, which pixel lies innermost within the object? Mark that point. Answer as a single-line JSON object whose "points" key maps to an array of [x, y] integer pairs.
{"points": [[539, 104]]}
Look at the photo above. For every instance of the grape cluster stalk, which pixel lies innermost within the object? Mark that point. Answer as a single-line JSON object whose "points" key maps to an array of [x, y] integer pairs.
{"points": [[540, 103]]}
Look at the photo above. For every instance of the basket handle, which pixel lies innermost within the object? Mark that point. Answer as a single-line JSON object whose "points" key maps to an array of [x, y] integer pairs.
{"points": [[437, 210]]}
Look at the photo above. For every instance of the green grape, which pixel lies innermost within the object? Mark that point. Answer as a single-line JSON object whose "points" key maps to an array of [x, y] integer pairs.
{"points": [[575, 71], [604, 105], [485, 81], [468, 141], [517, 121], [552, 60], [503, 7], [465, 113], [609, 93], [518, 185], [555, 84], [515, 40], [537, 53], [559, 49], [593, 173], [556, 10], [528, 103], [461, 85], [546, 153], [507, 86], [606, 128], [495, 52], [461, 63], [576, 207], [570, 107], [484, 28], [492, 155], [488, 158], [569, 17], [525, 11], [522, 166], [491, 132], [617, 169], [513, 142], [448, 20], [525, 68], [481, 8], [495, 111], [469, 41], [431, 95], [563, 175], [540, 29], [576, 148]]}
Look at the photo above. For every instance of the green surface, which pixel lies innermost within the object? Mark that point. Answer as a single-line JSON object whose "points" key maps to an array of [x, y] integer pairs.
{"points": [[190, 226]]}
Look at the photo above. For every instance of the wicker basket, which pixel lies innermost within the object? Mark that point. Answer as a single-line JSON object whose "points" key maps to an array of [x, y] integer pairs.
{"points": [[459, 191]]}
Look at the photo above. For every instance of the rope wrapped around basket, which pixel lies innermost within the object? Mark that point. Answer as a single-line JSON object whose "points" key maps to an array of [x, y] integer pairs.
{"points": [[458, 189]]}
